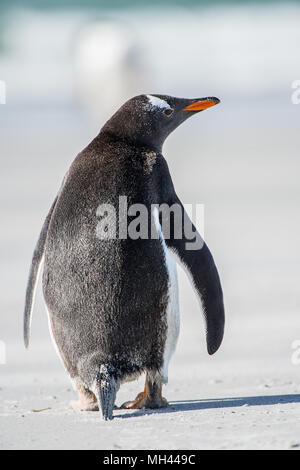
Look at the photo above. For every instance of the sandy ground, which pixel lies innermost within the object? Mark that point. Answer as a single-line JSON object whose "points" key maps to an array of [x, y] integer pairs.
{"points": [[243, 164]]}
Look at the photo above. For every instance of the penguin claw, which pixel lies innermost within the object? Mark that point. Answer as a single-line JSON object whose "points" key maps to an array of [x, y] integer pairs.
{"points": [[79, 405], [143, 401]]}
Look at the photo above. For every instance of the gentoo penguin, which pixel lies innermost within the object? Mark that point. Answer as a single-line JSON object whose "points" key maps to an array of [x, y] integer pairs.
{"points": [[112, 301]]}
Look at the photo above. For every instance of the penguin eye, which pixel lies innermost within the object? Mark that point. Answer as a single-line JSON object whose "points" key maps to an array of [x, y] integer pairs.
{"points": [[168, 111]]}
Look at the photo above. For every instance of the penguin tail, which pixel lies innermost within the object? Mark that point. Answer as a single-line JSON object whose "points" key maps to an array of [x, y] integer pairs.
{"points": [[105, 389], [33, 275]]}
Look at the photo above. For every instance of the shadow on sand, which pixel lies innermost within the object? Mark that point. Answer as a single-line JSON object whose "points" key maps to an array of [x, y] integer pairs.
{"points": [[197, 405]]}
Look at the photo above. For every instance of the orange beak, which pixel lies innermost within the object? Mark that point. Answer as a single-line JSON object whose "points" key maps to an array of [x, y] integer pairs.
{"points": [[202, 104]]}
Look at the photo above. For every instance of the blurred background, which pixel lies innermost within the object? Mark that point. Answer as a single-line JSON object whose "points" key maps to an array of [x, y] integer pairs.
{"points": [[69, 64]]}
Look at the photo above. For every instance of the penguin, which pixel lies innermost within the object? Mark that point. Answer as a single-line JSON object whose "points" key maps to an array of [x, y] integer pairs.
{"points": [[112, 301]]}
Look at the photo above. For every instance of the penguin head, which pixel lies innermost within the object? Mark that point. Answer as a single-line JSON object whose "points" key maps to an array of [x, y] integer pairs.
{"points": [[149, 119]]}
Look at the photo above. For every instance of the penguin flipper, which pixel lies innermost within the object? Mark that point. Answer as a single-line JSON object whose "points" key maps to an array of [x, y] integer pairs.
{"points": [[33, 274], [201, 269]]}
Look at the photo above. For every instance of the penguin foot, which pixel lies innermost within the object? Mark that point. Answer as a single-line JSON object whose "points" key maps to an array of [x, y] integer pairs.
{"points": [[151, 397], [144, 401], [84, 405], [87, 400], [79, 405]]}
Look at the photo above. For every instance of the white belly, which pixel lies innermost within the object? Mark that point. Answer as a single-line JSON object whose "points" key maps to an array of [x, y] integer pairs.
{"points": [[173, 317]]}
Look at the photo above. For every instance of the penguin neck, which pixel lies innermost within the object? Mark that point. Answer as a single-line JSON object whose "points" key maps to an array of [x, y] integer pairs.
{"points": [[109, 135]]}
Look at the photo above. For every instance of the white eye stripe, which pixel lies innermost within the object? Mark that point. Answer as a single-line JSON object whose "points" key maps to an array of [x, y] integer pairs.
{"points": [[156, 102]]}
